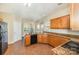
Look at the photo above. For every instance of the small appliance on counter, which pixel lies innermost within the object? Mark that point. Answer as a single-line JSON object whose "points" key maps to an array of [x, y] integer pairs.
{"points": [[3, 37]]}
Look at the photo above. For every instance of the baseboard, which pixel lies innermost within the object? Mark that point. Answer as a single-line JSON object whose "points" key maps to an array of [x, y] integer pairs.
{"points": [[13, 42]]}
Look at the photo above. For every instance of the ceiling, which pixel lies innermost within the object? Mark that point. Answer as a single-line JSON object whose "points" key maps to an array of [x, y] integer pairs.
{"points": [[35, 12]]}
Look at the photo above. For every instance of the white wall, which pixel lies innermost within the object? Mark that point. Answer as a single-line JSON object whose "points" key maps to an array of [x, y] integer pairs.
{"points": [[60, 12]]}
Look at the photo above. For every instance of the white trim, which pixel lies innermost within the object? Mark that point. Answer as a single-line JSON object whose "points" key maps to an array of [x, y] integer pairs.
{"points": [[14, 41]]}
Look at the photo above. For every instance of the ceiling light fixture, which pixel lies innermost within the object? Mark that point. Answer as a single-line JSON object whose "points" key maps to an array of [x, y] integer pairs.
{"points": [[27, 3]]}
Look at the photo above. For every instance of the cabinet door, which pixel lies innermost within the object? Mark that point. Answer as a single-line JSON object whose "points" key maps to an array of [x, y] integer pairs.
{"points": [[65, 22], [27, 40], [39, 39], [56, 40], [60, 22], [1, 19], [55, 23], [42, 38]]}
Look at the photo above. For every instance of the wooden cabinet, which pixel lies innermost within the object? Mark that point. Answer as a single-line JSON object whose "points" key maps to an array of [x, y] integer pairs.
{"points": [[57, 40], [65, 22], [55, 23], [51, 39], [74, 16], [42, 38], [1, 19], [60, 22], [27, 40]]}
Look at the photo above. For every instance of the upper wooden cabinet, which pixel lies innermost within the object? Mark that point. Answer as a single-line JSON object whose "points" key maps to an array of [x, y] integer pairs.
{"points": [[60, 22], [65, 22], [55, 23], [74, 16]]}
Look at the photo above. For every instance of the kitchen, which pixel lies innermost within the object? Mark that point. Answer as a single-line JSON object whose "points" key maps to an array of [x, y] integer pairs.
{"points": [[60, 32], [57, 29]]}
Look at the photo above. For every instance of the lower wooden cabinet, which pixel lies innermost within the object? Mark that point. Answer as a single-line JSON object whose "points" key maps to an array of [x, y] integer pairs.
{"points": [[42, 38], [50, 38], [27, 40], [57, 40]]}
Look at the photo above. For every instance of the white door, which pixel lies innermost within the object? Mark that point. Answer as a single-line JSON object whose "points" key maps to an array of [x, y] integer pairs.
{"points": [[17, 31]]}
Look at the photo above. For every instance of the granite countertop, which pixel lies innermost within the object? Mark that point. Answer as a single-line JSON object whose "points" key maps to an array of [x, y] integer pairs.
{"points": [[63, 51], [66, 32]]}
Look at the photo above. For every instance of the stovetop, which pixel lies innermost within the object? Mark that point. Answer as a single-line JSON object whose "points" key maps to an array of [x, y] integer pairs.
{"points": [[74, 46]]}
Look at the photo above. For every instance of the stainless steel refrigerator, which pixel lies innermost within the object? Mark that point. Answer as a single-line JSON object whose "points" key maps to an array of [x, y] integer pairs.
{"points": [[3, 37]]}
